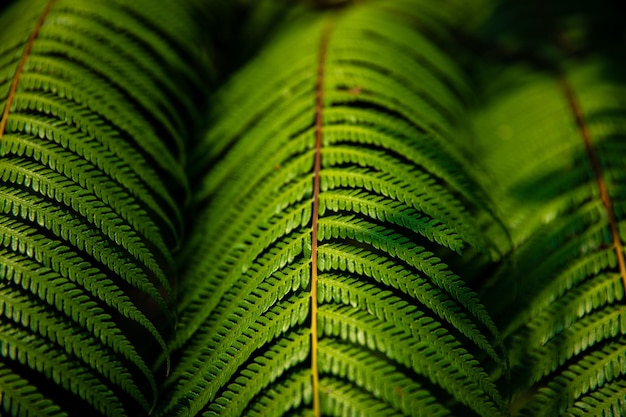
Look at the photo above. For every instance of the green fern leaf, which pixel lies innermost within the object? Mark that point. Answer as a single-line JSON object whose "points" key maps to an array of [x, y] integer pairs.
{"points": [[17, 306], [118, 194], [564, 321], [74, 302], [335, 188], [19, 345], [19, 398], [96, 111]]}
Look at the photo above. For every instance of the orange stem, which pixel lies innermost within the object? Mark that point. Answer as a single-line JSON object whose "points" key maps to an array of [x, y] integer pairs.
{"points": [[597, 169], [20, 67], [319, 107]]}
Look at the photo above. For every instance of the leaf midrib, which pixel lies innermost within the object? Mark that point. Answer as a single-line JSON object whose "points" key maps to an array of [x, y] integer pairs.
{"points": [[596, 166], [21, 64], [319, 120]]}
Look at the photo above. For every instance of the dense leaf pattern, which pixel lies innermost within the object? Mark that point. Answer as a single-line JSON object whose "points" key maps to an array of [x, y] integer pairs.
{"points": [[565, 317], [377, 205], [96, 108], [396, 207]]}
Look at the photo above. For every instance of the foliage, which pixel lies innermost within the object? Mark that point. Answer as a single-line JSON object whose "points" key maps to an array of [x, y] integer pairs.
{"points": [[311, 208]]}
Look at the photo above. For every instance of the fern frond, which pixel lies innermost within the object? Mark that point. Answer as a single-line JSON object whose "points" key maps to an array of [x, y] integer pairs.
{"points": [[226, 352], [19, 398], [24, 239], [23, 347], [379, 208], [607, 401], [380, 378], [347, 259], [467, 381], [88, 179], [62, 223], [590, 373], [340, 398], [119, 225], [285, 353], [335, 193], [98, 101], [561, 306], [74, 302], [19, 307], [288, 396]]}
